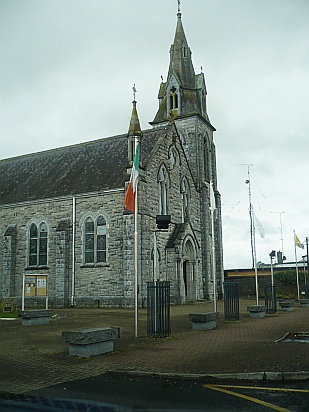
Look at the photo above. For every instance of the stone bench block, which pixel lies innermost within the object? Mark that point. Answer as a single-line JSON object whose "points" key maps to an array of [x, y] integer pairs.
{"points": [[257, 311], [304, 303], [90, 342], [36, 317], [203, 321], [286, 305]]}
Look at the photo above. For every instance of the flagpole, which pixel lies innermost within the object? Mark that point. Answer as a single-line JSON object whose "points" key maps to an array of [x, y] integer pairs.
{"points": [[252, 235], [296, 267], [254, 256], [135, 259]]}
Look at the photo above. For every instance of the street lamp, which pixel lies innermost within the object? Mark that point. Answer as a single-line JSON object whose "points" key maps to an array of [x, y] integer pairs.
{"points": [[272, 255], [273, 294]]}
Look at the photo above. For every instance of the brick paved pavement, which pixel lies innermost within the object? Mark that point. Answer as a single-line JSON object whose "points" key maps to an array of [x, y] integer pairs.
{"points": [[33, 357]]}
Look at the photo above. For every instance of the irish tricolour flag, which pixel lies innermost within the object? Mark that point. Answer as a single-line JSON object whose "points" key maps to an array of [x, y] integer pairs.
{"points": [[129, 201]]}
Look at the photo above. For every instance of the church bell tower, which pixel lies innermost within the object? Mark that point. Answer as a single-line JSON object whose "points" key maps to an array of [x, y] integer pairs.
{"points": [[182, 99]]}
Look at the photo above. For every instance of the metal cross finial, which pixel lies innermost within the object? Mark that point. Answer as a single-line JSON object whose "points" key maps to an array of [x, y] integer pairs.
{"points": [[178, 1], [134, 91]]}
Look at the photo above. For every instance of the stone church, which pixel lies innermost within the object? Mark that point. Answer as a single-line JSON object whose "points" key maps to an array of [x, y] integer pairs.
{"points": [[64, 230]]}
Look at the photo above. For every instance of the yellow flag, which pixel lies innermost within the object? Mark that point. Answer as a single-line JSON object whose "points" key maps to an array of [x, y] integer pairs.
{"points": [[298, 242]]}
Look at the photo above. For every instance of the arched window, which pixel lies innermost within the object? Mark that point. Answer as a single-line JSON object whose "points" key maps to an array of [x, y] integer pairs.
{"points": [[43, 245], [173, 157], [173, 98], [95, 240], [101, 239], [38, 239], [207, 158], [89, 240], [163, 181], [185, 197]]}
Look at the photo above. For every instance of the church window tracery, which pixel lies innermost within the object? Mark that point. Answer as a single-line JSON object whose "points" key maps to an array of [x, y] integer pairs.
{"points": [[173, 98], [38, 239], [185, 198], [163, 181], [173, 157], [95, 240]]}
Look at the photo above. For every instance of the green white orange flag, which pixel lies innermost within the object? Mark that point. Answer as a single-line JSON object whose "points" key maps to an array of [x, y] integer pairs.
{"points": [[129, 201]]}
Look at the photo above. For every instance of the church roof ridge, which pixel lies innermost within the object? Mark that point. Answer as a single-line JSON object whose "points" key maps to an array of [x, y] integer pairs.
{"points": [[74, 145], [80, 168], [69, 146]]}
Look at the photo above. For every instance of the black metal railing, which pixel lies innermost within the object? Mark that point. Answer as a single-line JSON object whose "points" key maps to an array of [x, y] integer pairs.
{"points": [[158, 309], [270, 298], [231, 300]]}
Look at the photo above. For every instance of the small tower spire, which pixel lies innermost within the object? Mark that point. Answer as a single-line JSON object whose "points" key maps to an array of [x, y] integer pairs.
{"points": [[134, 127], [134, 132]]}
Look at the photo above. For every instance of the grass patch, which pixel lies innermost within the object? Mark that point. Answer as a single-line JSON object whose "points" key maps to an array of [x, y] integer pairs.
{"points": [[9, 315]]}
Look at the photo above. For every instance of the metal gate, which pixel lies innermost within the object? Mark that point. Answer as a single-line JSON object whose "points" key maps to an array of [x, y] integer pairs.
{"points": [[158, 309], [270, 298], [231, 300]]}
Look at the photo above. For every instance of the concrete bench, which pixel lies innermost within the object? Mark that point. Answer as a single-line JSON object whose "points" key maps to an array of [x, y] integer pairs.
{"points": [[304, 303], [286, 305], [90, 342], [257, 311], [203, 321], [36, 317]]}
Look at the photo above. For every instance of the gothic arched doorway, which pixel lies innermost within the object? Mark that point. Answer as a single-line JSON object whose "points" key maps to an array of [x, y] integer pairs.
{"points": [[188, 271]]}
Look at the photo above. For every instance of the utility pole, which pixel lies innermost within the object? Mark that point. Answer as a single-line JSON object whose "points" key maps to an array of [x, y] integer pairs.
{"points": [[248, 182]]}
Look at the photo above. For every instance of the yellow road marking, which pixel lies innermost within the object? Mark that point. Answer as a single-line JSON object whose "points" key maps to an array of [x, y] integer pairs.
{"points": [[248, 398], [263, 388]]}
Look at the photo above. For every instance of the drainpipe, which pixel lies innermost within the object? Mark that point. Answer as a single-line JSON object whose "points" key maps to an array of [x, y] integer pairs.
{"points": [[73, 251]]}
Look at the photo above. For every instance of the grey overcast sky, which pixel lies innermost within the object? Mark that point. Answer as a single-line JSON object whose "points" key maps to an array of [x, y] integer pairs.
{"points": [[67, 68]]}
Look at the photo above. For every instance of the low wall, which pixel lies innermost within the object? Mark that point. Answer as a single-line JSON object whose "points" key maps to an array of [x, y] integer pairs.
{"points": [[247, 286]]}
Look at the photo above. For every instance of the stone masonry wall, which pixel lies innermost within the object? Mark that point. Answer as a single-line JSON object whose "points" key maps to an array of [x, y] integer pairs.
{"points": [[103, 282], [149, 207]]}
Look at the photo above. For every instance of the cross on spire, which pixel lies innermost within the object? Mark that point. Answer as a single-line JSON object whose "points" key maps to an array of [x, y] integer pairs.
{"points": [[178, 1], [134, 91]]}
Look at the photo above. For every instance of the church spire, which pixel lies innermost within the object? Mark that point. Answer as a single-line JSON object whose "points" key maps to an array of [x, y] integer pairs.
{"points": [[184, 92], [134, 129], [180, 57]]}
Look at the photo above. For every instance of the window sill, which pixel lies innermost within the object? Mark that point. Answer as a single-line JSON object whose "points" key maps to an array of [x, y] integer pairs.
{"points": [[37, 268], [94, 265]]}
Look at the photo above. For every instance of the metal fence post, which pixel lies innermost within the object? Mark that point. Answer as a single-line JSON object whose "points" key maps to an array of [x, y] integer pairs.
{"points": [[270, 298], [231, 300], [158, 309]]}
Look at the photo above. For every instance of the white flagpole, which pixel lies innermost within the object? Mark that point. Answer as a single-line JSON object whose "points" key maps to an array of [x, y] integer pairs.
{"points": [[212, 209], [23, 294], [254, 257], [135, 259], [297, 280], [73, 249]]}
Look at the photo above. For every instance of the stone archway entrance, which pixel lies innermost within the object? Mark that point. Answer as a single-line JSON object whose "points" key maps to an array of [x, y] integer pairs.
{"points": [[188, 271]]}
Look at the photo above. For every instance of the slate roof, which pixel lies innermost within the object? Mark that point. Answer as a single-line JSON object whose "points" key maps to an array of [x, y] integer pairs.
{"points": [[88, 167]]}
